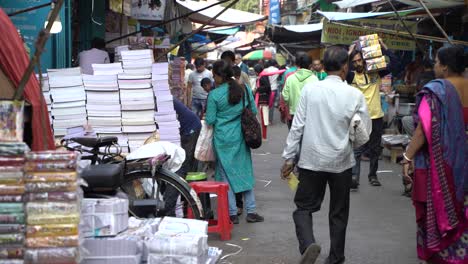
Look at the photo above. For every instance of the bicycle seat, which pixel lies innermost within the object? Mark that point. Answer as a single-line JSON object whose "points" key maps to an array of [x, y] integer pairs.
{"points": [[103, 177], [95, 142]]}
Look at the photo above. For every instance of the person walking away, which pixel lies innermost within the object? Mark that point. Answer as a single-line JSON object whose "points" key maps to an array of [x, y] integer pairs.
{"points": [[95, 55], [283, 107], [230, 57], [320, 131], [294, 84], [317, 67], [262, 98], [438, 153], [190, 127], [234, 160], [242, 65], [369, 84], [271, 67], [199, 95]]}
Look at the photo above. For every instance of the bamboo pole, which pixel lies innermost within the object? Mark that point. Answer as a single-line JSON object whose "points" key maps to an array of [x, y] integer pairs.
{"points": [[435, 21]]}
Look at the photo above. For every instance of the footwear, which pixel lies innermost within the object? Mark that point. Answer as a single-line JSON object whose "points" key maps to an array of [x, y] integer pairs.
{"points": [[254, 218], [234, 219], [327, 261], [240, 211], [311, 254], [374, 181], [354, 184]]}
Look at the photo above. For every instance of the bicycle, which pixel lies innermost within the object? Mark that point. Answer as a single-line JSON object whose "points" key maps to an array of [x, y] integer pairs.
{"points": [[110, 172]]}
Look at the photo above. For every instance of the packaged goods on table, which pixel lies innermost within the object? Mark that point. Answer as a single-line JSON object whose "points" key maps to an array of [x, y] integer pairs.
{"points": [[104, 217], [52, 207], [12, 215]]}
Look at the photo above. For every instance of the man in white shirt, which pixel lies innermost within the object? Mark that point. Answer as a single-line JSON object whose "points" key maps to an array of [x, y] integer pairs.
{"points": [[95, 55], [320, 137]]}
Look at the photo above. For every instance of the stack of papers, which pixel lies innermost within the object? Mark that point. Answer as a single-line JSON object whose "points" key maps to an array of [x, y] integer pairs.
{"points": [[176, 79], [107, 69], [136, 96], [46, 92], [165, 116], [68, 99], [118, 50]]}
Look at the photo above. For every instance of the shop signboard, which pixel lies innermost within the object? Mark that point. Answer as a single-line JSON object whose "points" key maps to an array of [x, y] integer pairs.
{"points": [[274, 17], [29, 24], [339, 34], [148, 9]]}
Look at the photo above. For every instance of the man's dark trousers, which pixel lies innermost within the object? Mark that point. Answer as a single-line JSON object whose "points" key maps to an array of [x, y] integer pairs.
{"points": [[308, 200]]}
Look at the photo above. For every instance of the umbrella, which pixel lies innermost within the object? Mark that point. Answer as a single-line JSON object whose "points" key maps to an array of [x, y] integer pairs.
{"points": [[258, 55]]}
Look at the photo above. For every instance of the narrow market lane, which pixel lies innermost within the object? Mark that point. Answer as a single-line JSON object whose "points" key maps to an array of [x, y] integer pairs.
{"points": [[381, 228]]}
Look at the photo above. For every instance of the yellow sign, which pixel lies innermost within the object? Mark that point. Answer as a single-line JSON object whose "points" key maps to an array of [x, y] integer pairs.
{"points": [[339, 34]]}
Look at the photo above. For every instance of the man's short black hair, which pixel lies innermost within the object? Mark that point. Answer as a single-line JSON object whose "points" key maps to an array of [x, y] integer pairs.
{"points": [[205, 81], [199, 62], [228, 55], [189, 66], [98, 43], [303, 60], [335, 58]]}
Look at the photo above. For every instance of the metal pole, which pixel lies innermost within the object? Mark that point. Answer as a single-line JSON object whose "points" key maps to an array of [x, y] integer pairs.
{"points": [[435, 21], [406, 27], [198, 29], [170, 20], [29, 9]]}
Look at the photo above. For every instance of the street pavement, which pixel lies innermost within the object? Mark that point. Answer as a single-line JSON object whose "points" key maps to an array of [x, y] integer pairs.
{"points": [[381, 228]]}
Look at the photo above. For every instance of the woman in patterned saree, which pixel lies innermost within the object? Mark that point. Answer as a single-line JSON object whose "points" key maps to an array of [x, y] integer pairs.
{"points": [[439, 153]]}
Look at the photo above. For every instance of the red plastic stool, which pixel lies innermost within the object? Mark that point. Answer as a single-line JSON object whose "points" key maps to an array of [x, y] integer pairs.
{"points": [[222, 225]]}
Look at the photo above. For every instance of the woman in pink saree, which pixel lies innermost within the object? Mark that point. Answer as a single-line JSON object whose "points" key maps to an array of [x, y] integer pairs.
{"points": [[439, 153]]}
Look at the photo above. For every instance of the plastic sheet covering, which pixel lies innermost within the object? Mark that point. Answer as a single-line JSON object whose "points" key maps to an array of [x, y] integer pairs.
{"points": [[11, 253], [11, 198], [52, 241], [39, 208], [51, 230], [177, 244], [50, 176], [7, 189], [11, 208], [11, 228], [11, 240], [51, 197], [11, 161], [13, 148], [53, 219], [51, 256], [43, 187]]}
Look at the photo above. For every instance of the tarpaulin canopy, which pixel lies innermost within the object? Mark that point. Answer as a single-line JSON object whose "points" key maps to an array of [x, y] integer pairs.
{"points": [[229, 18], [415, 3], [223, 30], [339, 16], [353, 3]]}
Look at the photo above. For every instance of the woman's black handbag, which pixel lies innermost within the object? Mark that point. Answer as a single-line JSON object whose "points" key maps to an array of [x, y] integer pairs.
{"points": [[250, 125]]}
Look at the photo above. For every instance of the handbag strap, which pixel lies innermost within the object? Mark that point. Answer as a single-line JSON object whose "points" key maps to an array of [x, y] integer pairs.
{"points": [[243, 98]]}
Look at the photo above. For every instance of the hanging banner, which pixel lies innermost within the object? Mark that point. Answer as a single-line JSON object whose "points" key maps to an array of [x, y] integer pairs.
{"points": [[148, 9], [274, 17], [338, 34]]}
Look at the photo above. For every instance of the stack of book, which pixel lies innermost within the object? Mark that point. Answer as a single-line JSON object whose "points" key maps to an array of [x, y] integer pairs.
{"points": [[118, 50], [136, 96], [68, 99], [46, 92], [107, 69], [165, 116], [176, 81]]}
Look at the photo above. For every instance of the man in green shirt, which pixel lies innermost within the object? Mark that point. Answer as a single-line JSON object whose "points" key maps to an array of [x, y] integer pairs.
{"points": [[317, 67]]}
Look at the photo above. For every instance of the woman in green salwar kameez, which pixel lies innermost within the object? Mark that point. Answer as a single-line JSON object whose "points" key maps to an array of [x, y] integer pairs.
{"points": [[234, 160]]}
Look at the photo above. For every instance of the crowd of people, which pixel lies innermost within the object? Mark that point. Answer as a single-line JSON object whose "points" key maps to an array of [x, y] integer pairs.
{"points": [[327, 105]]}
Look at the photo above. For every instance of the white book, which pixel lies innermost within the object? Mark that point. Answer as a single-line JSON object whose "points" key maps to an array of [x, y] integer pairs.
{"points": [[142, 63], [92, 113], [136, 85], [137, 114], [73, 116], [65, 81], [139, 71], [47, 98], [160, 78], [69, 111], [108, 88], [60, 132], [164, 98], [138, 136], [98, 97], [64, 71], [100, 107], [160, 68], [145, 52], [125, 76], [107, 69], [67, 123], [163, 93], [165, 118], [136, 94], [138, 105], [87, 78], [137, 122], [68, 104], [107, 129], [138, 129], [104, 121]]}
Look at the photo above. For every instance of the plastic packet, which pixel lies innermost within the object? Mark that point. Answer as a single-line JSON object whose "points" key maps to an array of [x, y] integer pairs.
{"points": [[51, 256], [50, 176], [6, 189], [11, 208], [39, 187], [12, 228], [11, 239], [293, 182], [14, 218], [52, 241], [376, 64], [53, 219], [51, 197], [52, 230], [37, 208], [11, 253], [61, 165], [11, 161], [11, 198], [371, 52], [13, 148], [367, 43], [369, 37], [51, 155]]}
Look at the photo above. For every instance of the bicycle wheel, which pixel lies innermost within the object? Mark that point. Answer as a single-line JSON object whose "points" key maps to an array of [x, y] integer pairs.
{"points": [[167, 181]]}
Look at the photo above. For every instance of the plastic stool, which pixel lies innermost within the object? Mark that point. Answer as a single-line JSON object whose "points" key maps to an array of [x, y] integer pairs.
{"points": [[222, 225]]}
